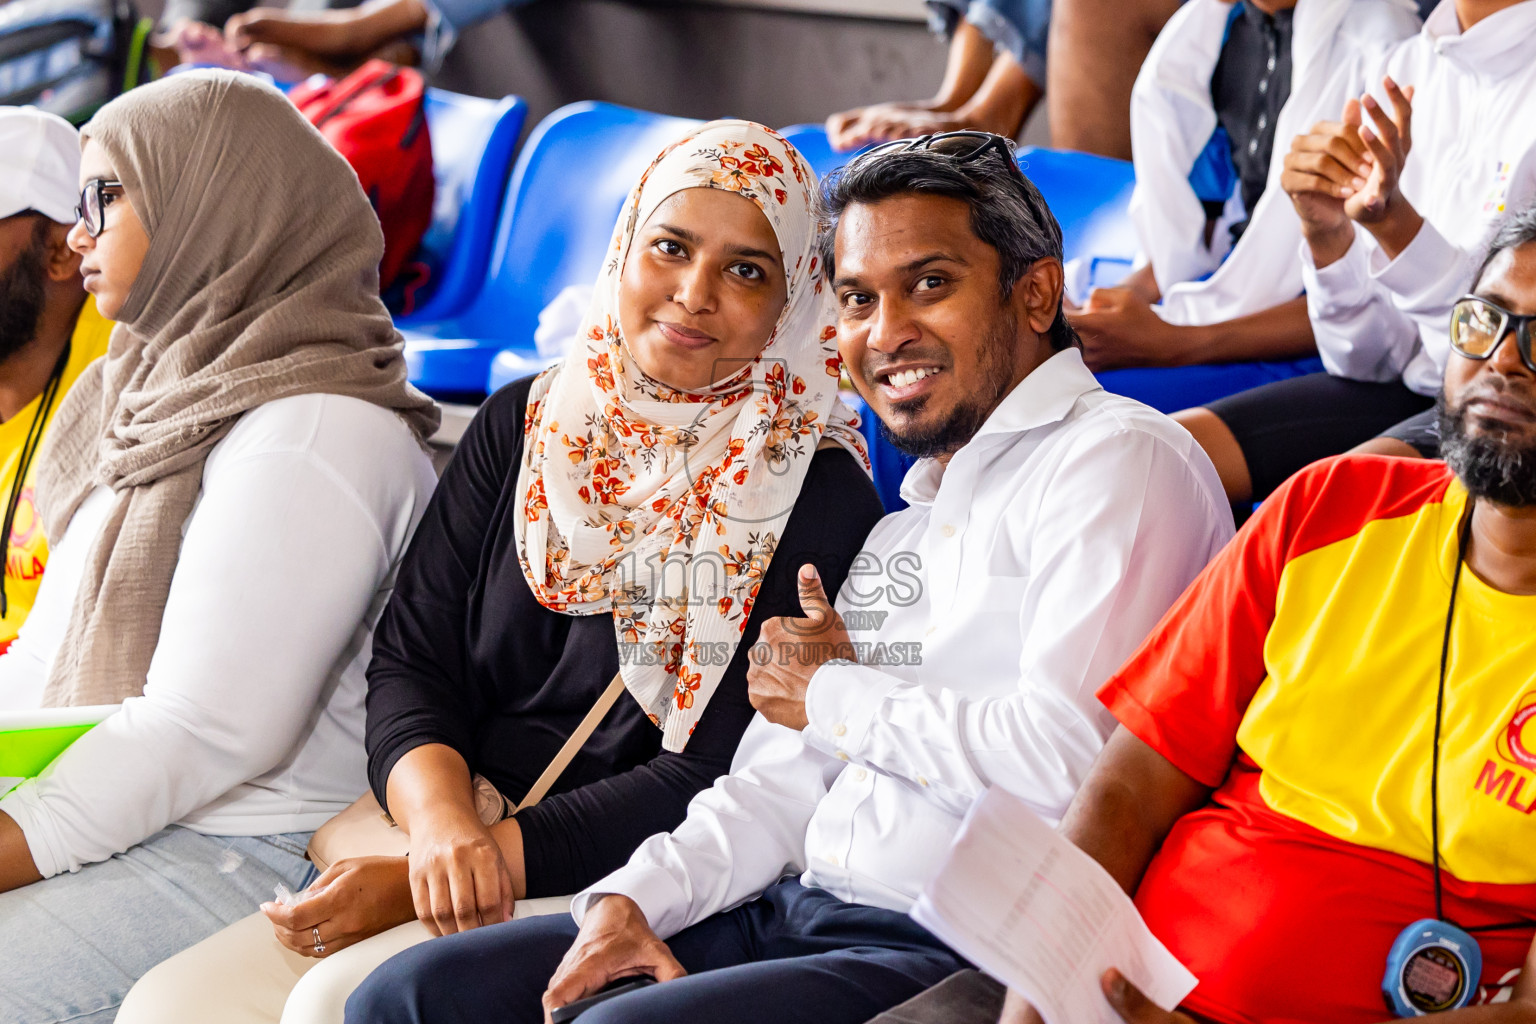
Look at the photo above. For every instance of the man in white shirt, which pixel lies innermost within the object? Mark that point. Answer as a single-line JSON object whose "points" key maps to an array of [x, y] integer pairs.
{"points": [[1050, 526], [1216, 104], [1390, 241]]}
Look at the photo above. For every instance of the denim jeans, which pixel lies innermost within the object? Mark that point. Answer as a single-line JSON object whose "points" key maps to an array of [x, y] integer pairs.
{"points": [[71, 946], [1021, 27]]}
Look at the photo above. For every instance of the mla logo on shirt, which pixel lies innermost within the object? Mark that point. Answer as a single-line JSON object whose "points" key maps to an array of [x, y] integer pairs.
{"points": [[21, 563], [1517, 744]]}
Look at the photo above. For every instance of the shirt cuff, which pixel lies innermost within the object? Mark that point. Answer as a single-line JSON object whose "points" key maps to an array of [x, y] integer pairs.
{"points": [[23, 806], [1342, 286], [1425, 273], [840, 707], [654, 890]]}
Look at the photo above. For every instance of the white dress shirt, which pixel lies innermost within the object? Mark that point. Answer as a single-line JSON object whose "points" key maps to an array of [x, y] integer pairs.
{"points": [[251, 722], [1023, 574], [1172, 118], [1473, 162]]}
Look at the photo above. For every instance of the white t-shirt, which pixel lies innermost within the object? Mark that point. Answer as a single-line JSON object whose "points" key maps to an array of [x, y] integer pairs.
{"points": [[251, 722]]}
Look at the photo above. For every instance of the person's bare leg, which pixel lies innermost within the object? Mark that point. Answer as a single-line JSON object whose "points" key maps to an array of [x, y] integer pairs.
{"points": [[1387, 446], [1227, 455], [970, 58], [1096, 48], [1000, 105]]}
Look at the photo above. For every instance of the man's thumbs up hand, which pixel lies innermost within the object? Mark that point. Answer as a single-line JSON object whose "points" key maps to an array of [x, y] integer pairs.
{"points": [[790, 650]]}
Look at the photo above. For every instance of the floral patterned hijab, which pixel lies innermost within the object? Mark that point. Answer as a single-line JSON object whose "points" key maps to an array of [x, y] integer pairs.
{"points": [[664, 506]]}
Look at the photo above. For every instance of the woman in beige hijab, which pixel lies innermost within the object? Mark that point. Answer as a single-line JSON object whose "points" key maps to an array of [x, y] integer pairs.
{"points": [[229, 491]]}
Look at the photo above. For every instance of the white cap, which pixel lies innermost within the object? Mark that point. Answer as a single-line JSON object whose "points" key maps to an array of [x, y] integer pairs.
{"points": [[39, 164]]}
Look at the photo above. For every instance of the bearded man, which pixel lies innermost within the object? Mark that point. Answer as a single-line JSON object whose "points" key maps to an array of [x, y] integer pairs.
{"points": [[1322, 791], [49, 331]]}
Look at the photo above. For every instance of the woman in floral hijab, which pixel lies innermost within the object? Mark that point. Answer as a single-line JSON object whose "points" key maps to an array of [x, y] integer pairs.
{"points": [[660, 478], [639, 508]]}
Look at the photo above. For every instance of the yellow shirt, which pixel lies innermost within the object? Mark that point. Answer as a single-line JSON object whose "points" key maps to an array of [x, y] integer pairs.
{"points": [[28, 551]]}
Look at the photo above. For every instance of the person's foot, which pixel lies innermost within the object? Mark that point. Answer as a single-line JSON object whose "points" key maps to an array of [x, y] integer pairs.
{"points": [[194, 42], [844, 129], [887, 125], [319, 33]]}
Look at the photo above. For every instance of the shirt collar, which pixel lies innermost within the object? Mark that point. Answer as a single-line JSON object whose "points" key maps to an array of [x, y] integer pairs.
{"points": [[1280, 20], [1498, 45], [1042, 398]]}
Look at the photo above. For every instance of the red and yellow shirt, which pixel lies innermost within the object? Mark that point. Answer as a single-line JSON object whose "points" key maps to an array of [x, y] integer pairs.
{"points": [[1297, 676], [28, 551]]}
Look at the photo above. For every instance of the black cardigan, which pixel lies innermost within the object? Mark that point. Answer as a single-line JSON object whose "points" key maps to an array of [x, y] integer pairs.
{"points": [[464, 655]]}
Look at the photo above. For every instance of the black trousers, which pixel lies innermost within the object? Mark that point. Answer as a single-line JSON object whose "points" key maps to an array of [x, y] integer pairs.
{"points": [[1284, 426], [792, 955]]}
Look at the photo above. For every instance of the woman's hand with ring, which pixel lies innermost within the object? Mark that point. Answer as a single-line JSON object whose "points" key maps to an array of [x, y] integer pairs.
{"points": [[353, 900]]}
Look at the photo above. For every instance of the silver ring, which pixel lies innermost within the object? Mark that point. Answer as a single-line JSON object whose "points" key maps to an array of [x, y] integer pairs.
{"points": [[319, 946]]}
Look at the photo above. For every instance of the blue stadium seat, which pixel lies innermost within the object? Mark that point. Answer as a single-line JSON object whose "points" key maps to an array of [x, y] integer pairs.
{"points": [[569, 183], [811, 141], [472, 144], [1090, 196]]}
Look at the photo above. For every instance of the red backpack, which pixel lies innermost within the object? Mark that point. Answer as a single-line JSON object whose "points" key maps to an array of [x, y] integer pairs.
{"points": [[376, 118]]}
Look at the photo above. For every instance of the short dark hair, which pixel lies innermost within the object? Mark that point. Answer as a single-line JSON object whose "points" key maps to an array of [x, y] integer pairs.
{"points": [[1518, 230], [1007, 210]]}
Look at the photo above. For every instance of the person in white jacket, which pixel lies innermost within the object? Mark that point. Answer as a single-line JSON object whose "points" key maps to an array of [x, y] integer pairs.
{"points": [[230, 490], [1221, 94], [1398, 193]]}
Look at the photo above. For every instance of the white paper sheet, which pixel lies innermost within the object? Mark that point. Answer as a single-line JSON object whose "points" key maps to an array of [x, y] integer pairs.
{"points": [[1032, 910]]}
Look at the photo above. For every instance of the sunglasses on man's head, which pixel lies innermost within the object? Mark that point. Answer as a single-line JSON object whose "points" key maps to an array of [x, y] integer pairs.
{"points": [[94, 200], [962, 146], [1479, 324]]}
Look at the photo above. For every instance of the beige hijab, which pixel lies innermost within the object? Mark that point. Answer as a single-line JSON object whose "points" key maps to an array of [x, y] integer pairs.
{"points": [[261, 282]]}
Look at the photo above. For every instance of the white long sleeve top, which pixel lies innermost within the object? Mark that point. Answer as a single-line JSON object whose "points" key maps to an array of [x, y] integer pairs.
{"points": [[1473, 161], [1172, 118], [990, 611], [251, 722]]}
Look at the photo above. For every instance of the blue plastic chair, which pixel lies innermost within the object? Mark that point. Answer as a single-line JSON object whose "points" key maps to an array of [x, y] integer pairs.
{"points": [[811, 141], [1091, 196], [571, 180], [472, 144]]}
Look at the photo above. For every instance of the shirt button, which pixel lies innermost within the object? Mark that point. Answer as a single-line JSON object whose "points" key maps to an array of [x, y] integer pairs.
{"points": [[1263, 86], [862, 775], [1263, 122], [1270, 64], [922, 781], [1253, 146], [831, 860], [947, 530], [840, 729], [842, 756]]}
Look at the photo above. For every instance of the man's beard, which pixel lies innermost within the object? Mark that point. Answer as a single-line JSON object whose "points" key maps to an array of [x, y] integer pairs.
{"points": [[950, 435], [1490, 465], [22, 295]]}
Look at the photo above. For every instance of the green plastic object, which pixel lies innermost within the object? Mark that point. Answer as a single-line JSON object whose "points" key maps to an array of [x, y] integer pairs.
{"points": [[30, 740], [25, 752]]}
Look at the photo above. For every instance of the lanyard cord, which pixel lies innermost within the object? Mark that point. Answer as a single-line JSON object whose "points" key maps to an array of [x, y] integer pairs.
{"points": [[28, 451], [1434, 771]]}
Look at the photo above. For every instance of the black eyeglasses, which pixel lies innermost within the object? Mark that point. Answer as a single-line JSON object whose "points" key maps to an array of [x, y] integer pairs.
{"points": [[1478, 325], [981, 143], [94, 201]]}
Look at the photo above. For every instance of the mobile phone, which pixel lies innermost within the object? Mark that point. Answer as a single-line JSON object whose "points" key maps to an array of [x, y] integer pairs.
{"points": [[617, 987]]}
